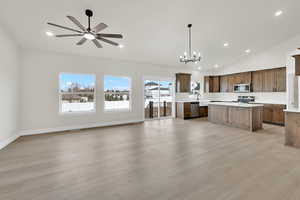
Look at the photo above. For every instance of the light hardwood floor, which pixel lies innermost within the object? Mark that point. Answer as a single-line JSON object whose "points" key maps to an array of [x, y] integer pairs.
{"points": [[157, 160]]}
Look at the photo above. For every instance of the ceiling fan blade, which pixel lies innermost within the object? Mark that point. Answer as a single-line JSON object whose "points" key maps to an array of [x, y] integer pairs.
{"points": [[99, 27], [77, 23], [107, 41], [83, 40], [97, 43], [59, 26], [68, 35], [110, 35]]}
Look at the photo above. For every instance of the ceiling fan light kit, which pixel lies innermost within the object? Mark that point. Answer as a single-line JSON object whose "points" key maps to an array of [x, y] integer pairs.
{"points": [[190, 57], [92, 34]]}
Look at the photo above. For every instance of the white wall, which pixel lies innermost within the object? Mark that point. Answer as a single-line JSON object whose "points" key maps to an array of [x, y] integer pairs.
{"points": [[9, 87], [271, 58], [40, 102]]}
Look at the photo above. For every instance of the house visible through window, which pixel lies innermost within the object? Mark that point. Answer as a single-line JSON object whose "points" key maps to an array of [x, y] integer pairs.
{"points": [[77, 93], [117, 93]]}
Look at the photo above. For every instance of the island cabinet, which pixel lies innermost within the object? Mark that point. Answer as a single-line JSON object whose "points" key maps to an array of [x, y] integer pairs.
{"points": [[248, 117], [183, 82]]}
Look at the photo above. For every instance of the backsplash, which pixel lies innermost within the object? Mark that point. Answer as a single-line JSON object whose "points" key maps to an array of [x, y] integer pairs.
{"points": [[268, 97]]}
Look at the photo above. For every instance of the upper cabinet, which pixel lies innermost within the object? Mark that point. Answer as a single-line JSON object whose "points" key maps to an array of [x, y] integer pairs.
{"points": [[211, 84], [280, 76], [183, 82], [224, 84], [257, 81], [297, 65], [270, 80]]}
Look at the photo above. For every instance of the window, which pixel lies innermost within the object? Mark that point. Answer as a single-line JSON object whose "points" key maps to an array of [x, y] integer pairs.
{"points": [[116, 93], [77, 93]]}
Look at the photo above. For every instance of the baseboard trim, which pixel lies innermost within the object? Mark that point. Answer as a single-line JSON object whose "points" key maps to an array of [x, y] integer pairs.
{"points": [[8, 141], [76, 127]]}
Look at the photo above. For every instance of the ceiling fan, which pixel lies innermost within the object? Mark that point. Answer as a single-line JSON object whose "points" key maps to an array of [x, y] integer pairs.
{"points": [[87, 33]]}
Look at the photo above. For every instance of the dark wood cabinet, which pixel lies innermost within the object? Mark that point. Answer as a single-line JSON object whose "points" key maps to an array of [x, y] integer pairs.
{"points": [[231, 82], [215, 84], [270, 80], [203, 110], [189, 110], [224, 84], [297, 65], [257, 81], [280, 77], [183, 82], [211, 84], [274, 114]]}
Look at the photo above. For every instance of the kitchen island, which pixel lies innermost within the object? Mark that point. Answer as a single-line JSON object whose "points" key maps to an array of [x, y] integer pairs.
{"points": [[240, 115]]}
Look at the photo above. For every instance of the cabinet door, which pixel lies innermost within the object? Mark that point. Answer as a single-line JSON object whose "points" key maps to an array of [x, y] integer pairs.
{"points": [[224, 84], [231, 82], [278, 114], [187, 109], [206, 84], [239, 117], [215, 84], [268, 113], [280, 74], [257, 81], [297, 65], [183, 82], [269, 83], [203, 111], [246, 77]]}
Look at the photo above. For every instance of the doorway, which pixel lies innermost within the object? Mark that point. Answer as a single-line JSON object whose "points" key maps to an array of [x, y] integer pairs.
{"points": [[158, 98]]}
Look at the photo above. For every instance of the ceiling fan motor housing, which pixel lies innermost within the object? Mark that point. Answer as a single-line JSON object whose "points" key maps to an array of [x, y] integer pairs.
{"points": [[89, 13]]}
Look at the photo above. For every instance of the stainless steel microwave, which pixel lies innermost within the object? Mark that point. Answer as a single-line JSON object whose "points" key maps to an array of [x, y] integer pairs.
{"points": [[241, 88]]}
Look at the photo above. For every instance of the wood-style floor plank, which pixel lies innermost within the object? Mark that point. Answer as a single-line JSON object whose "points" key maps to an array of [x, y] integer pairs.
{"points": [[167, 159]]}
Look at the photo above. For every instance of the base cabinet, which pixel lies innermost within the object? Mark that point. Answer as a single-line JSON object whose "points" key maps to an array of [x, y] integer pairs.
{"points": [[189, 110], [274, 114]]}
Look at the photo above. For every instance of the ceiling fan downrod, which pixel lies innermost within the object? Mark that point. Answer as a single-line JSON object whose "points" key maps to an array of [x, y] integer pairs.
{"points": [[89, 13]]}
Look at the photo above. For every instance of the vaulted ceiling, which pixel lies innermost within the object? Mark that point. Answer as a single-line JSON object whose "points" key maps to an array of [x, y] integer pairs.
{"points": [[155, 30]]}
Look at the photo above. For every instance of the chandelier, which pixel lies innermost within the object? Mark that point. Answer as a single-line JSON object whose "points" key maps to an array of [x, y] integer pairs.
{"points": [[189, 57]]}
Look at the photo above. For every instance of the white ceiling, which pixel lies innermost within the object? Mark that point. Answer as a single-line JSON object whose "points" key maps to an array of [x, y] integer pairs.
{"points": [[155, 30]]}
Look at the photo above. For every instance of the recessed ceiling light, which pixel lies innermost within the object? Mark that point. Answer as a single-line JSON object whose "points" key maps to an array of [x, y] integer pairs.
{"points": [[278, 13], [49, 33], [121, 46], [216, 66], [248, 51], [226, 44], [199, 68]]}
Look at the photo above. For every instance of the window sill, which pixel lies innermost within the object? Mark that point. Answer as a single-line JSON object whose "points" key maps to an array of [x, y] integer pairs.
{"points": [[78, 113], [116, 110]]}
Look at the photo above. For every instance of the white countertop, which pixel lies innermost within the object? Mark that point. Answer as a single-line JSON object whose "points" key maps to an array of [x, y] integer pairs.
{"points": [[184, 101], [242, 105], [294, 110]]}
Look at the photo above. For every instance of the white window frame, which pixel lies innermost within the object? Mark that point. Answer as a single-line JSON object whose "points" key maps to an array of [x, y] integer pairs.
{"points": [[130, 95], [60, 95], [160, 78]]}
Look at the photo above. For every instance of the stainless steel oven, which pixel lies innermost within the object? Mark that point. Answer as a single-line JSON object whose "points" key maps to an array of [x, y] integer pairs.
{"points": [[241, 88]]}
